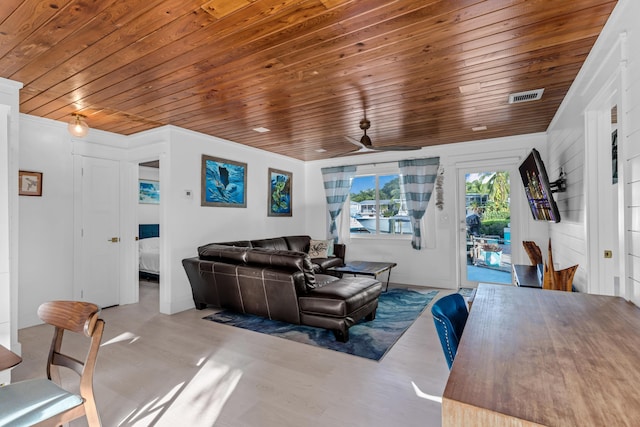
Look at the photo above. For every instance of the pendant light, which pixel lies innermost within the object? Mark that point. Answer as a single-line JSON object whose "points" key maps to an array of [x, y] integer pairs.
{"points": [[78, 126]]}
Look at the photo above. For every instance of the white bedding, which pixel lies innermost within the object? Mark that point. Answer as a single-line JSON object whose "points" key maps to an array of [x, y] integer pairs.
{"points": [[149, 255]]}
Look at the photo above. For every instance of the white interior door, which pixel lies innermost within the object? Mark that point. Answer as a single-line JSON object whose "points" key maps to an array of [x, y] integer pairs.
{"points": [[100, 232]]}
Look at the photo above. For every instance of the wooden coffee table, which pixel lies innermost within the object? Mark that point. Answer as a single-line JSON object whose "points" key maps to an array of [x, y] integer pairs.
{"points": [[366, 268]]}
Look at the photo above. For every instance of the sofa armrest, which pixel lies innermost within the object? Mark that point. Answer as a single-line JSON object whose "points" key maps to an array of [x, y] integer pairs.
{"points": [[200, 275], [340, 250]]}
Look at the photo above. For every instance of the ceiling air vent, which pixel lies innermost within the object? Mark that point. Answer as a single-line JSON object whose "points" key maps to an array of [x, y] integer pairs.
{"points": [[530, 95]]}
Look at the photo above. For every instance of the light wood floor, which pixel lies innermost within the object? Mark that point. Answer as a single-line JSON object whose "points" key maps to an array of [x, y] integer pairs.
{"points": [[180, 370]]}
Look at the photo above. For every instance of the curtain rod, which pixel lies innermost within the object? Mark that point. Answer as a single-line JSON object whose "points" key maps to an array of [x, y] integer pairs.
{"points": [[386, 162]]}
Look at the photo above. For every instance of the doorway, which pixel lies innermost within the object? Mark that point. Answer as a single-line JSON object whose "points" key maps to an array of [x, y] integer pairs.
{"points": [[148, 214], [486, 226]]}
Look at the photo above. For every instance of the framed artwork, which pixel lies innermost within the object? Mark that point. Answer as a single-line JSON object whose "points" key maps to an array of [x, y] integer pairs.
{"points": [[224, 183], [149, 192], [29, 183], [279, 203]]}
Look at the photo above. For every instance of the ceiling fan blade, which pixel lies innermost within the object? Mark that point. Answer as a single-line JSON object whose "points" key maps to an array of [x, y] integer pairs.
{"points": [[354, 141], [365, 142], [361, 150], [396, 148], [350, 153]]}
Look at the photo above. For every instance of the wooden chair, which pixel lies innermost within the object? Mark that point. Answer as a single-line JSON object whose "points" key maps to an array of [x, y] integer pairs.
{"points": [[41, 402]]}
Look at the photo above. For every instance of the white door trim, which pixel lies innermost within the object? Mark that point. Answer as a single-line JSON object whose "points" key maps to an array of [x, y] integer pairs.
{"points": [[597, 190], [509, 162]]}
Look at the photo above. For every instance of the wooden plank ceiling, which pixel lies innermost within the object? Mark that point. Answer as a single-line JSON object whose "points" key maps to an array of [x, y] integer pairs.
{"points": [[425, 72]]}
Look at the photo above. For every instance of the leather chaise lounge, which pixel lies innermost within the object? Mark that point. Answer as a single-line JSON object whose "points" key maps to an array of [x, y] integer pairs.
{"points": [[273, 278]]}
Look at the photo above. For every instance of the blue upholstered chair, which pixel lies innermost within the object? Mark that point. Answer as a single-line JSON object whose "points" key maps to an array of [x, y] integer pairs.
{"points": [[42, 402], [450, 315]]}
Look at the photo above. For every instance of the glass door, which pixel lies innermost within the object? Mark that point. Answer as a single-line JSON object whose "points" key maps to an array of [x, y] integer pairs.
{"points": [[486, 227]]}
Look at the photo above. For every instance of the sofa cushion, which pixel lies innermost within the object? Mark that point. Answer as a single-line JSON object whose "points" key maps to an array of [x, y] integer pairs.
{"points": [[298, 243], [238, 243], [283, 259], [341, 297], [278, 243], [223, 253], [324, 279]]}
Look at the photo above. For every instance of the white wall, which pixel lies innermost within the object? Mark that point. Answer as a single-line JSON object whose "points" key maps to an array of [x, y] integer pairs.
{"points": [[437, 265], [46, 223], [629, 123], [149, 213], [581, 145], [46, 230]]}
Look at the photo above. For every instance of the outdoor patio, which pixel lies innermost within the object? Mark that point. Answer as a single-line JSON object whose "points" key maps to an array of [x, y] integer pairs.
{"points": [[489, 259]]}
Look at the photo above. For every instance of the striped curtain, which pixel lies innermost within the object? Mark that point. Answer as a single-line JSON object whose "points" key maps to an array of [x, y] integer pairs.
{"points": [[418, 179], [337, 184]]}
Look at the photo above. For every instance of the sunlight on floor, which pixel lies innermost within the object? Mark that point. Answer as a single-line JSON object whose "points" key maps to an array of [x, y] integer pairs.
{"points": [[424, 395], [145, 415], [196, 402], [126, 336]]}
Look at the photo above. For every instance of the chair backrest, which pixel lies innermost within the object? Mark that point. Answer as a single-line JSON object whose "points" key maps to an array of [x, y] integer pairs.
{"points": [[450, 316], [534, 252], [78, 317]]}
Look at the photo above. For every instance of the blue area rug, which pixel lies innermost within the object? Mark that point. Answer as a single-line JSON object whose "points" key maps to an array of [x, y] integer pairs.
{"points": [[397, 310]]}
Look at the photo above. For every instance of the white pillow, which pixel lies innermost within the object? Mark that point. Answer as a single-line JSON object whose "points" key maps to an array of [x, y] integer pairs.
{"points": [[149, 245], [318, 248]]}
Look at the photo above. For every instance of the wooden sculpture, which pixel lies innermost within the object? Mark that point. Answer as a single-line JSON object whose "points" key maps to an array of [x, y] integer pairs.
{"points": [[561, 280], [534, 252]]}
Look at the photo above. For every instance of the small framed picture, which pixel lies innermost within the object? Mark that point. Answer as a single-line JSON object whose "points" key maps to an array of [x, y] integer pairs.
{"points": [[149, 192], [29, 183], [279, 203]]}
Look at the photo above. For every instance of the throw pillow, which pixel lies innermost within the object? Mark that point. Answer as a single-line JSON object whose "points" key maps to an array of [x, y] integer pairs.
{"points": [[318, 249]]}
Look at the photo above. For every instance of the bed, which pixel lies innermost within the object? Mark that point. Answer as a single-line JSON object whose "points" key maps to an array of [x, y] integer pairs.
{"points": [[149, 251]]}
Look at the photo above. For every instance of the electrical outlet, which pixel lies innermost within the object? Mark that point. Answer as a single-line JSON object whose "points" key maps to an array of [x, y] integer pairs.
{"points": [[608, 253]]}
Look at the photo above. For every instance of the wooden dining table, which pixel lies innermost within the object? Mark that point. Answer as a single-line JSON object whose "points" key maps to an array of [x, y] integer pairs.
{"points": [[532, 357], [8, 359]]}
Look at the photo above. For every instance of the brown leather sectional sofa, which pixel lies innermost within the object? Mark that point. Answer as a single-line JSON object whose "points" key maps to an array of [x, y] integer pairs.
{"points": [[277, 279]]}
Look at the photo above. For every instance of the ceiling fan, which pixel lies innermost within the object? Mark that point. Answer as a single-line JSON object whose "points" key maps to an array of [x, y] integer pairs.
{"points": [[365, 142]]}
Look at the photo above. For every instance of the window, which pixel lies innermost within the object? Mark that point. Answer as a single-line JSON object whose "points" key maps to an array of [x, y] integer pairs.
{"points": [[378, 206]]}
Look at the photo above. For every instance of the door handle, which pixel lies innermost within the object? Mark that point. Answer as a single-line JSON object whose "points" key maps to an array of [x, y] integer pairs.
{"points": [[113, 240]]}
